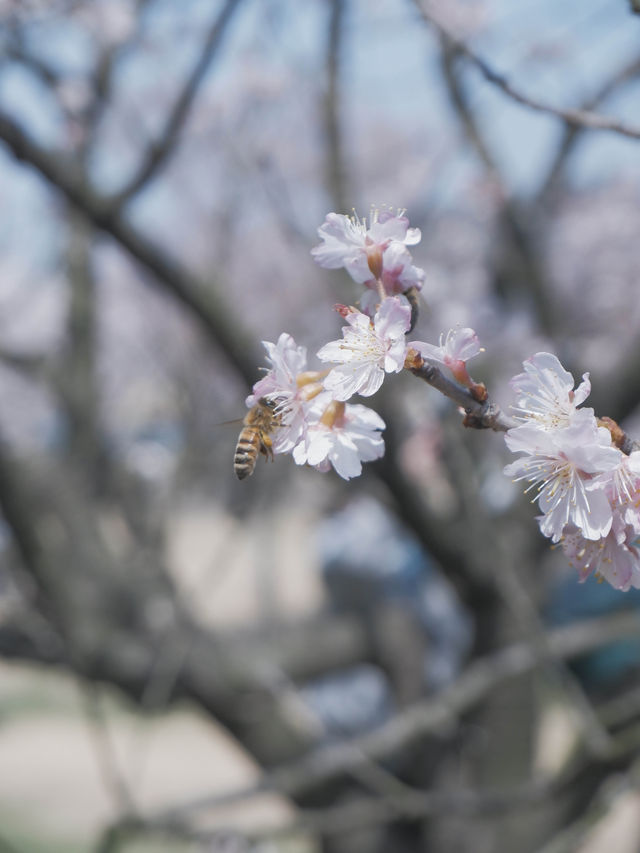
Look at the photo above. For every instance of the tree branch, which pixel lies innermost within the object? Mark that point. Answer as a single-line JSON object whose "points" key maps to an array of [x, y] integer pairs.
{"points": [[583, 118], [479, 415], [427, 716], [335, 161], [572, 132], [193, 294], [528, 268], [163, 147]]}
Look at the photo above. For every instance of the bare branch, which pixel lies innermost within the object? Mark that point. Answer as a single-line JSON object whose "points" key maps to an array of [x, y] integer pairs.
{"points": [[528, 267], [572, 132], [429, 715], [484, 415], [336, 179], [194, 295], [162, 148], [44, 72], [113, 779], [103, 76], [584, 118]]}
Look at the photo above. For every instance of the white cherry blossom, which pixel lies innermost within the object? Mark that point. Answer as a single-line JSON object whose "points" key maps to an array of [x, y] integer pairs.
{"points": [[368, 349], [614, 557], [562, 464], [544, 392], [343, 436], [281, 383], [375, 255]]}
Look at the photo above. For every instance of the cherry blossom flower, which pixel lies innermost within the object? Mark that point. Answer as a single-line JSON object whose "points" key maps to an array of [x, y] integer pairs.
{"points": [[623, 486], [376, 256], [343, 436], [562, 464], [545, 392], [368, 349], [288, 383], [615, 557], [458, 346]]}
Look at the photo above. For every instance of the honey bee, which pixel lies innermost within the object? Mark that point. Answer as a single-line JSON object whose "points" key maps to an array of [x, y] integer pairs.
{"points": [[255, 437]]}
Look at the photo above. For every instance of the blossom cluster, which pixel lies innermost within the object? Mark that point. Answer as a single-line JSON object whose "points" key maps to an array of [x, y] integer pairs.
{"points": [[587, 489], [315, 421]]}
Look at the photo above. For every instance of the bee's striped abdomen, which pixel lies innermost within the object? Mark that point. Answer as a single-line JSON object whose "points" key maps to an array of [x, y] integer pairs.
{"points": [[247, 450]]}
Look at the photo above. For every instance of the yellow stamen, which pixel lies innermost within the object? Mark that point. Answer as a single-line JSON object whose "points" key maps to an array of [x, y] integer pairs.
{"points": [[333, 413]]}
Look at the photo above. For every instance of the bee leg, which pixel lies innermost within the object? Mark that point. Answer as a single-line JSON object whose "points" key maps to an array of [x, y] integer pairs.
{"points": [[266, 447]]}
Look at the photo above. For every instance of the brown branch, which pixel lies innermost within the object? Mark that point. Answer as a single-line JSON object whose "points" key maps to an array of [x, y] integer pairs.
{"points": [[103, 78], [102, 611], [583, 118], [40, 69], [427, 716], [572, 132], [484, 415], [335, 160], [29, 365], [357, 813], [162, 148], [182, 285], [528, 267]]}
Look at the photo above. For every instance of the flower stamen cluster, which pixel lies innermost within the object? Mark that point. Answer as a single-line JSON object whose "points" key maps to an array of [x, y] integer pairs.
{"points": [[587, 489]]}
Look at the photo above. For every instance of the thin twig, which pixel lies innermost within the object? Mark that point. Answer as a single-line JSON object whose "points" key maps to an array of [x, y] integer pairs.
{"points": [[572, 132], [194, 295], [407, 804], [336, 174], [570, 838], [162, 148], [529, 268], [112, 777], [584, 118], [485, 415], [429, 715]]}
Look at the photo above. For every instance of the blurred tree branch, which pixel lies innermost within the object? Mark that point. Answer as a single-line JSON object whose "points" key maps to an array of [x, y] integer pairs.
{"points": [[583, 118], [77, 372], [432, 714], [199, 299], [104, 613], [17, 52], [336, 170], [162, 148], [521, 267], [572, 132]]}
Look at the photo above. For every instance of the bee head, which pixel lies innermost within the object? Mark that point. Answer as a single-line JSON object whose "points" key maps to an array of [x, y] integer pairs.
{"points": [[270, 404]]}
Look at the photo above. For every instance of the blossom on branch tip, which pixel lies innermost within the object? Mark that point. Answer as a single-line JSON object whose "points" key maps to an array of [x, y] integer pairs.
{"points": [[454, 350], [615, 557], [375, 255], [562, 465], [368, 349], [544, 392]]}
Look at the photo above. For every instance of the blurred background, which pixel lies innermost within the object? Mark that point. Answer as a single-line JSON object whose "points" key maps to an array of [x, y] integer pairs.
{"points": [[295, 664]]}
